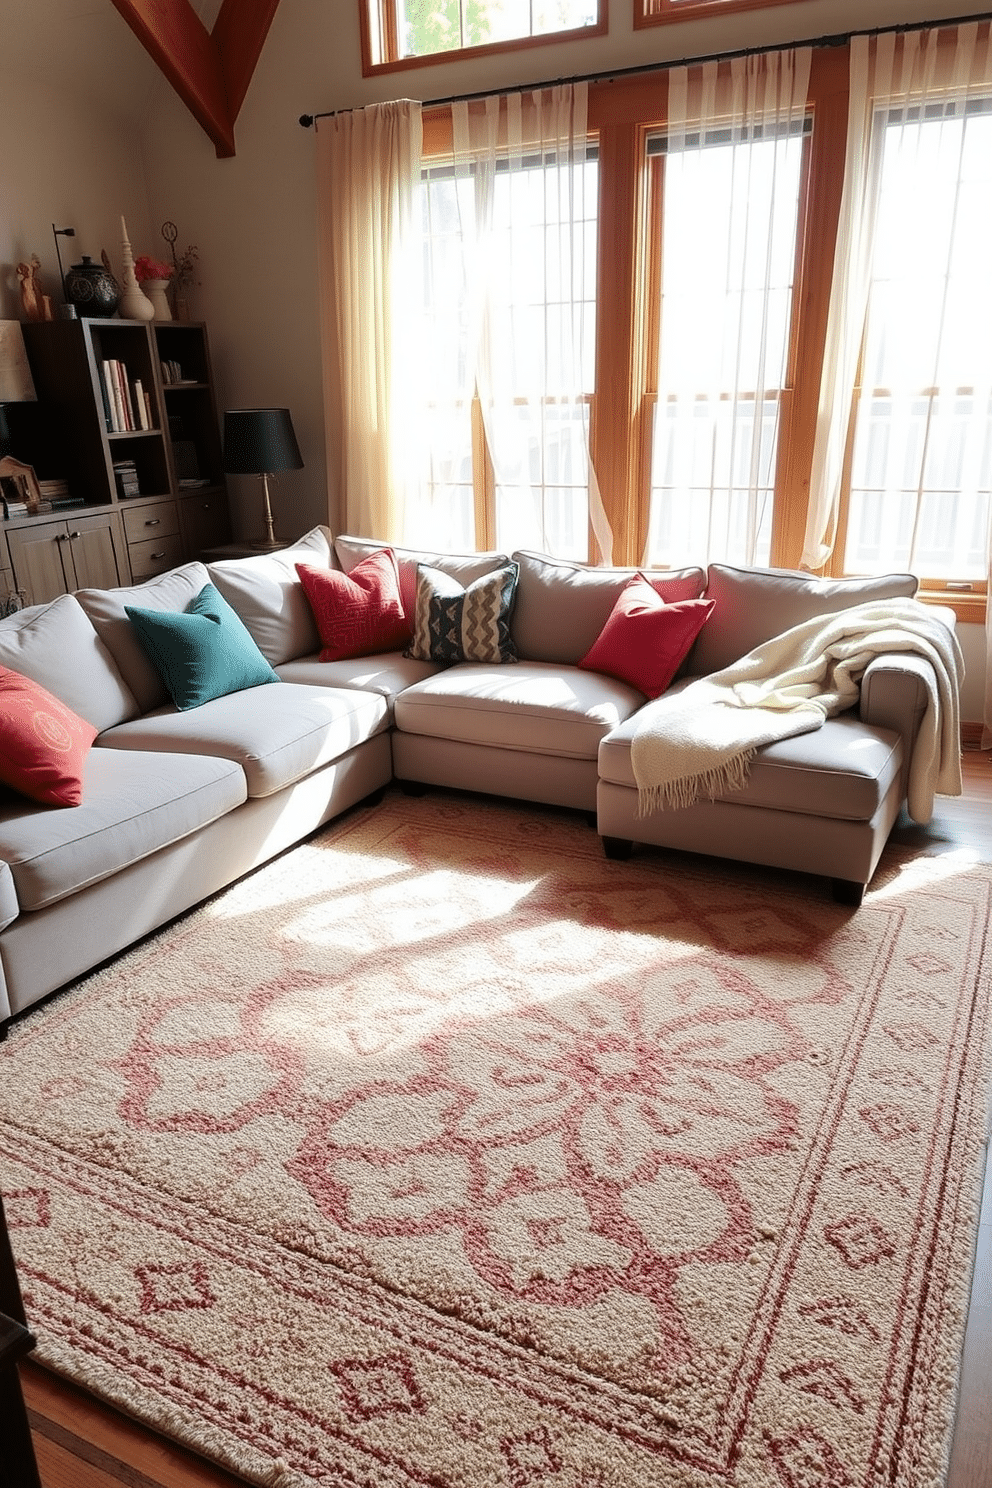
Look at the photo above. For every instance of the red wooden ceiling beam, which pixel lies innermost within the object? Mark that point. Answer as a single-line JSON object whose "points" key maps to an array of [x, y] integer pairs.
{"points": [[209, 71], [239, 34]]}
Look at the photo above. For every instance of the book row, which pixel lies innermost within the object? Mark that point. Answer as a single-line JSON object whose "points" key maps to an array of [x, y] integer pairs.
{"points": [[126, 403]]}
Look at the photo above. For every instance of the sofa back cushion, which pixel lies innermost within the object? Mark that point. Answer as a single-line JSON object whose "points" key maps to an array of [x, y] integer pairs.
{"points": [[57, 647], [465, 567], [751, 605], [561, 607], [265, 592], [106, 608]]}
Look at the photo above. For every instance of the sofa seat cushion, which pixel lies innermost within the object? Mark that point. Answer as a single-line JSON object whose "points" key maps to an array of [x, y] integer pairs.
{"points": [[843, 769], [276, 734], [388, 674], [132, 805], [533, 706]]}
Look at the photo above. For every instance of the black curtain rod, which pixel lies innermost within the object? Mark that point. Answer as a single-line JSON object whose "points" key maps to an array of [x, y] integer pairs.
{"points": [[841, 39]]}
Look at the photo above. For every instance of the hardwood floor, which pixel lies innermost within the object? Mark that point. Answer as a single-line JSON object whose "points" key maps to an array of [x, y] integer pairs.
{"points": [[80, 1443]]}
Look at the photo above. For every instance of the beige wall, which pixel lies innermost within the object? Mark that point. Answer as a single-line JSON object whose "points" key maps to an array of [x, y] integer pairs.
{"points": [[76, 161], [69, 162]]}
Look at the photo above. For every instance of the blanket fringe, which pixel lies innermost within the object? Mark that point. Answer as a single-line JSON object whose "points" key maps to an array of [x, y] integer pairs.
{"points": [[676, 795]]}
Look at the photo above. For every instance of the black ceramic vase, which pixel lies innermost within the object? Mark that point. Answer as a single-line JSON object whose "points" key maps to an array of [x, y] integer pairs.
{"points": [[92, 288]]}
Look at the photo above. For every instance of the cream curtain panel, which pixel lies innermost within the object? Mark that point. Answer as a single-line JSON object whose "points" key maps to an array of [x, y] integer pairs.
{"points": [[910, 144], [733, 152], [510, 229], [368, 165]]}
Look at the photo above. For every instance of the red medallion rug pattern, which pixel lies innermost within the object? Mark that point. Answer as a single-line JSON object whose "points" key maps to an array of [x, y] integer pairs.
{"points": [[444, 1152]]}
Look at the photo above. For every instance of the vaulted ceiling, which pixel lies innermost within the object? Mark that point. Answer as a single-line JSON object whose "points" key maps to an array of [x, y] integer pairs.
{"points": [[210, 70]]}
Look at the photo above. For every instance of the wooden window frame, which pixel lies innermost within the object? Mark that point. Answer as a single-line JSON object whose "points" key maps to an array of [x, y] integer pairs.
{"points": [[384, 28], [670, 12]]}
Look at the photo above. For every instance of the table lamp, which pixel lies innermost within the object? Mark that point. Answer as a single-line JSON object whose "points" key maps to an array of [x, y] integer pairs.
{"points": [[261, 441], [16, 386]]}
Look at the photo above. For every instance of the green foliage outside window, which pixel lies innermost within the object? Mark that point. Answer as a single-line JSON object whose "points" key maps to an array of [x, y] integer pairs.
{"points": [[429, 26]]}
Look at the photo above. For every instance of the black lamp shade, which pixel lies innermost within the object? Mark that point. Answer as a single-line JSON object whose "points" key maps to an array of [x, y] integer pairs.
{"points": [[260, 441]]}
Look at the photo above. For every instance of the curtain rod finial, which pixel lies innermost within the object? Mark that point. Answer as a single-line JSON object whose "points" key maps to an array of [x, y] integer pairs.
{"points": [[306, 120]]}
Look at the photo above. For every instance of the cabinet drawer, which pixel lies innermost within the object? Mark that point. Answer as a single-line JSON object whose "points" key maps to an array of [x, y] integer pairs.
{"points": [[155, 556], [144, 522]]}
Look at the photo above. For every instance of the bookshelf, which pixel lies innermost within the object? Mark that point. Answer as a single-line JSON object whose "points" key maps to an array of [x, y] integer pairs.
{"points": [[132, 430]]}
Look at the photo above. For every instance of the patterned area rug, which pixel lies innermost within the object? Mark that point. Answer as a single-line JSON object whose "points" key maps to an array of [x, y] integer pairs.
{"points": [[445, 1152]]}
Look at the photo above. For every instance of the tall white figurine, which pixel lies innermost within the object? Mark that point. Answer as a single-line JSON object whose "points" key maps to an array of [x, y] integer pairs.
{"points": [[134, 305]]}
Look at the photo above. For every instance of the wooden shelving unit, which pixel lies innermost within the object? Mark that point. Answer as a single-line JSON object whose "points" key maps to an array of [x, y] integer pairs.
{"points": [[180, 507]]}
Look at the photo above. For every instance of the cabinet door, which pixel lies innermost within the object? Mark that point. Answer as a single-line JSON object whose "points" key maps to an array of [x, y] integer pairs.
{"points": [[97, 553], [204, 522], [41, 561]]}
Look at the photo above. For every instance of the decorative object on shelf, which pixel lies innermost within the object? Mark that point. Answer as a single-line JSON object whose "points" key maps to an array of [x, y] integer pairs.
{"points": [[92, 288], [183, 270], [134, 305], [261, 441], [153, 275], [61, 232], [36, 304]]}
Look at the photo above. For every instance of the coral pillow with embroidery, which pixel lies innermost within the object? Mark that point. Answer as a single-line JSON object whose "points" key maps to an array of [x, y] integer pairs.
{"points": [[357, 613], [43, 744], [645, 640]]}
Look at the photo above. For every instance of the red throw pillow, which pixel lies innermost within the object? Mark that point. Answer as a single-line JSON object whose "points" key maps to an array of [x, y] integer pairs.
{"points": [[645, 640], [357, 613], [43, 744]]}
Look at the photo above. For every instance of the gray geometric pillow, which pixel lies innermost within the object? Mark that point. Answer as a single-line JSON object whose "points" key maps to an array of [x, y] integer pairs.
{"points": [[452, 623]]}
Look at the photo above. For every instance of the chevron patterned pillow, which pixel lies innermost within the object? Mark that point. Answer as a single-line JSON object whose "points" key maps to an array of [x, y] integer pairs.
{"points": [[452, 623]]}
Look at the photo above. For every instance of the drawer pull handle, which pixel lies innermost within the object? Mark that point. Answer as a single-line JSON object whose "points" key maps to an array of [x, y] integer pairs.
{"points": [[154, 522], [159, 555], [74, 535]]}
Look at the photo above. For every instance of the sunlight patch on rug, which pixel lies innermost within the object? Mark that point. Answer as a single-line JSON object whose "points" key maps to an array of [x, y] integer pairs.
{"points": [[444, 1151]]}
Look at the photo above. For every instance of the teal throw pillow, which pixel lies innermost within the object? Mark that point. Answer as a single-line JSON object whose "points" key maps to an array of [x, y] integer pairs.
{"points": [[201, 652]]}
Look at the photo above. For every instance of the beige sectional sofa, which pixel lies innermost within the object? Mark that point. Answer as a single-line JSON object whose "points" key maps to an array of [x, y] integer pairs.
{"points": [[178, 804]]}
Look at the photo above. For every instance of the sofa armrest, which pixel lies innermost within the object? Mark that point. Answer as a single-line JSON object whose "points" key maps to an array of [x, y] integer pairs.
{"points": [[9, 907], [894, 694]]}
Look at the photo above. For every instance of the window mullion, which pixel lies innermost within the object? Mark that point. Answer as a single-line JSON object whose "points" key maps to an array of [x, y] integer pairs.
{"points": [[619, 316]]}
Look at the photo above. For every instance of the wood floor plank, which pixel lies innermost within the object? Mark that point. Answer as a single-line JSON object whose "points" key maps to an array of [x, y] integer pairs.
{"points": [[60, 1411]]}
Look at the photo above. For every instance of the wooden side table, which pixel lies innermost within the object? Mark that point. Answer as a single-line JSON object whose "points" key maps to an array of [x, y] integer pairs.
{"points": [[20, 1469]]}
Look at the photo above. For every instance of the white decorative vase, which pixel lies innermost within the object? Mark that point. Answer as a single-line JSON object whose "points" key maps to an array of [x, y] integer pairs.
{"points": [[155, 289], [133, 304]]}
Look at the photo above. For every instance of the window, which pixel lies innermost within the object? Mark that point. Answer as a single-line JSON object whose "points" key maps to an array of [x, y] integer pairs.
{"points": [[510, 357], [729, 213], [921, 458], [403, 33]]}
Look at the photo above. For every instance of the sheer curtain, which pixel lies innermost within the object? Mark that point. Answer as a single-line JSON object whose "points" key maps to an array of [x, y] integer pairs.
{"points": [[910, 307], [733, 153], [369, 164], [510, 231]]}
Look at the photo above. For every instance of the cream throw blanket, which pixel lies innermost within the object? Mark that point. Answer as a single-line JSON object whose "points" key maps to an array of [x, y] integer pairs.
{"points": [[700, 741]]}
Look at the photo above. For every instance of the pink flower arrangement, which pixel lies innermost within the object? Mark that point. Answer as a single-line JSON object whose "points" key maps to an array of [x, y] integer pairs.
{"points": [[147, 267]]}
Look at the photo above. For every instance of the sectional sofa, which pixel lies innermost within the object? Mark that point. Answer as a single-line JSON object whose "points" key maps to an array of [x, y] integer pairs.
{"points": [[178, 802]]}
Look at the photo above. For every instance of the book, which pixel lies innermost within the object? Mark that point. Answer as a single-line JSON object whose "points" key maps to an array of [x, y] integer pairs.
{"points": [[140, 406]]}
